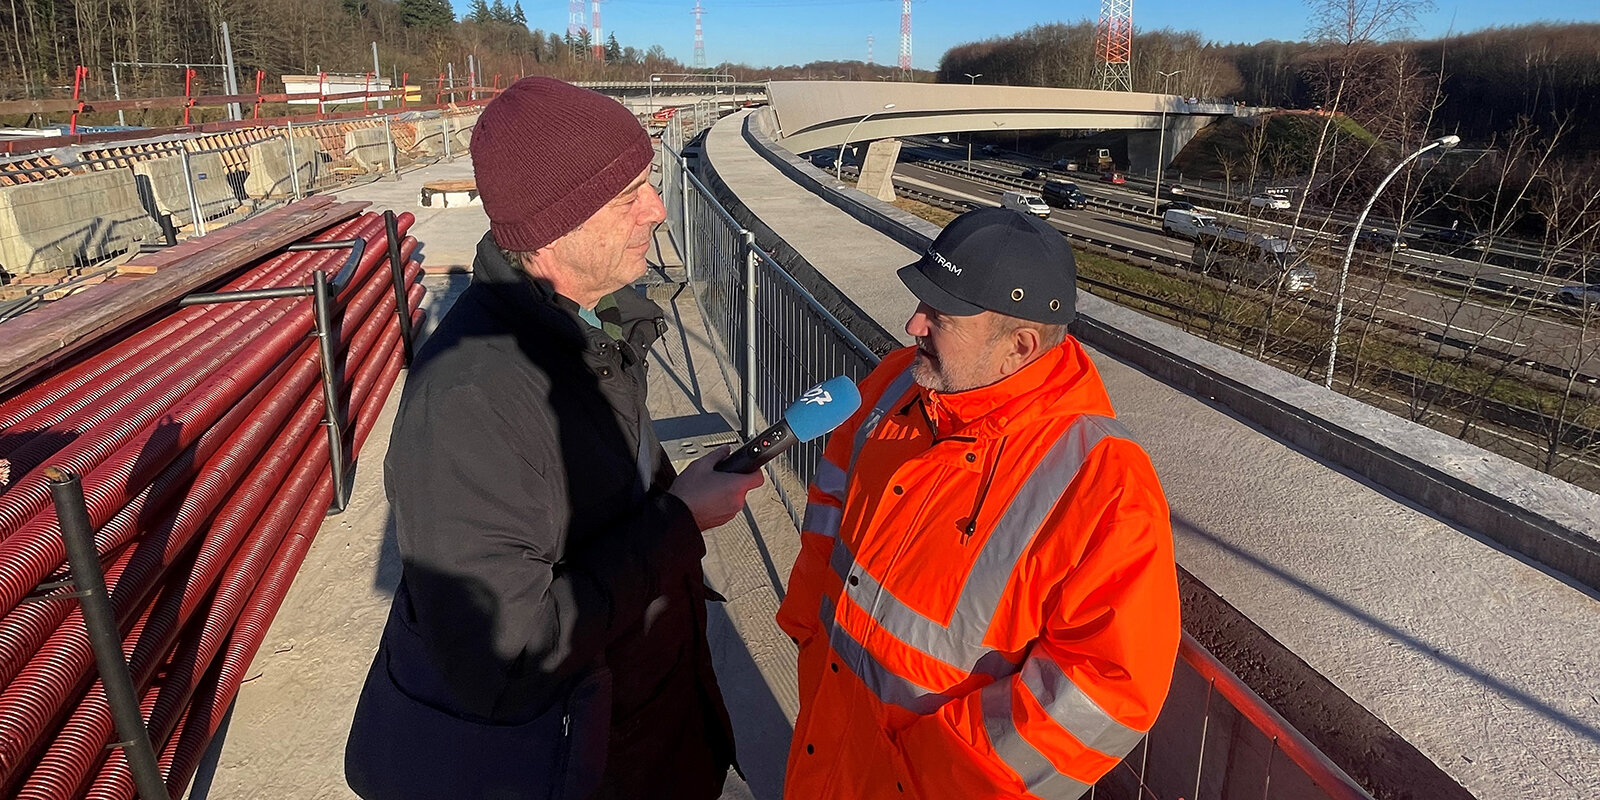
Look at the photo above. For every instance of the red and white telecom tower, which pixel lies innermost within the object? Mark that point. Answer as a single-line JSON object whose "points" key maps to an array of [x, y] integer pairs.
{"points": [[597, 43], [699, 37], [1115, 45], [575, 28], [905, 38]]}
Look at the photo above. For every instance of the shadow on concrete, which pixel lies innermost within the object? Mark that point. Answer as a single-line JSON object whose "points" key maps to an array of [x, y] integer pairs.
{"points": [[761, 731], [1571, 724]]}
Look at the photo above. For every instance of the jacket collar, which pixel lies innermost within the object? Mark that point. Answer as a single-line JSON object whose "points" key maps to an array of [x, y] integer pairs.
{"points": [[1062, 382], [525, 302]]}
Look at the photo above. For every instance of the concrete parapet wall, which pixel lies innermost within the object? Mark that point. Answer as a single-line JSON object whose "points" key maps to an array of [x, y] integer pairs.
{"points": [[71, 219], [1546, 519], [368, 148], [161, 185], [268, 167]]}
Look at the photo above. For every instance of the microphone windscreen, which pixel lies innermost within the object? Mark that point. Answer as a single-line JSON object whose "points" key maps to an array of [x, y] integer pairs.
{"points": [[822, 408]]}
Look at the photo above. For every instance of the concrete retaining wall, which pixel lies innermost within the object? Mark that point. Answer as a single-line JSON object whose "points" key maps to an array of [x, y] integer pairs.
{"points": [[268, 166], [57, 223], [369, 148], [161, 185]]}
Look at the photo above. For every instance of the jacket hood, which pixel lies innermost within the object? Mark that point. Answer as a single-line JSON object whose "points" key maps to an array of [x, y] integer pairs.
{"points": [[1061, 383]]}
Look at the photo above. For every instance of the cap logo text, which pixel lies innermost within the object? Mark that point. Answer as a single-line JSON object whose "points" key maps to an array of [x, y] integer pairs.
{"points": [[944, 262]]}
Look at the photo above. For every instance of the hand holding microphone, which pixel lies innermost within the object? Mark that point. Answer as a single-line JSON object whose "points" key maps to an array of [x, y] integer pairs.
{"points": [[714, 486]]}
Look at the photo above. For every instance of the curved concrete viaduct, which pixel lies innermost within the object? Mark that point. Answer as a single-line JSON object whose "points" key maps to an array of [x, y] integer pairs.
{"points": [[816, 114]]}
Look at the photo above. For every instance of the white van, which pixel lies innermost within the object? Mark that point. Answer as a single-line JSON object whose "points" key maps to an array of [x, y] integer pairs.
{"points": [[1026, 203], [1188, 224]]}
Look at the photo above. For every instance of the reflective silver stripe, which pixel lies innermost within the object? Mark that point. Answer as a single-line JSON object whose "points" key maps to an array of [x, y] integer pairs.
{"points": [[823, 519], [885, 684], [960, 644], [886, 401], [1072, 709], [829, 479], [1038, 775]]}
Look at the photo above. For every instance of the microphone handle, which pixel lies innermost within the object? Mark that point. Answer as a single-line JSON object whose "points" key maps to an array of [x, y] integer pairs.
{"points": [[764, 447]]}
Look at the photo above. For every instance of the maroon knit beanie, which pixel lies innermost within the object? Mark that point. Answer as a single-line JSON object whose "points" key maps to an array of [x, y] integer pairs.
{"points": [[547, 155]]}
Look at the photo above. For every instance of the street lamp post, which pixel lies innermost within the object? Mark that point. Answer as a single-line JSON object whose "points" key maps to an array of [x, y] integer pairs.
{"points": [[654, 79], [1161, 146], [837, 164], [1445, 142], [973, 77]]}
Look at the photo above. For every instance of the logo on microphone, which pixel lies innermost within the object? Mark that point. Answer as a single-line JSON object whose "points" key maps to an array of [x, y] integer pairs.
{"points": [[817, 396]]}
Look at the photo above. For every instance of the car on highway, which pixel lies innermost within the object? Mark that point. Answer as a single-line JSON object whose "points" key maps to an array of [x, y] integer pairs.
{"points": [[1373, 240], [1064, 165], [1188, 224], [1032, 173], [1113, 178], [1451, 240], [1026, 203], [1064, 194], [989, 150], [1580, 295], [1270, 202], [1175, 205], [1177, 190]]}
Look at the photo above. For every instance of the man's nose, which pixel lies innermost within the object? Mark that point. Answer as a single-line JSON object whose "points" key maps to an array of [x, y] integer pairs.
{"points": [[656, 211], [918, 324]]}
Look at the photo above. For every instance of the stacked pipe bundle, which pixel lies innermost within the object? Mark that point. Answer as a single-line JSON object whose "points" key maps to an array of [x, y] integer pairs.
{"points": [[206, 471]]}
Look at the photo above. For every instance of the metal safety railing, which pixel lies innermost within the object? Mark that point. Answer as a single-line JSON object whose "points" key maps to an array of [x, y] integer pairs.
{"points": [[1215, 737]]}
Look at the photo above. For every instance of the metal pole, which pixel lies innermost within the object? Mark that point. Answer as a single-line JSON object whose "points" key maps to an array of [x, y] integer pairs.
{"points": [[333, 417], [1350, 248], [688, 219], [294, 164], [1161, 146], [394, 157], [377, 70], [100, 620], [444, 125], [751, 258], [116, 91], [232, 81], [194, 199], [402, 304]]}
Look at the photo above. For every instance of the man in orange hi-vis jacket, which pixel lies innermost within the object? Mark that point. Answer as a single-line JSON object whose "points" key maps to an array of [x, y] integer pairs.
{"points": [[985, 599]]}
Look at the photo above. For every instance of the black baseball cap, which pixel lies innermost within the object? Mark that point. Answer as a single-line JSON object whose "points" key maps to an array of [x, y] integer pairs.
{"points": [[997, 259]]}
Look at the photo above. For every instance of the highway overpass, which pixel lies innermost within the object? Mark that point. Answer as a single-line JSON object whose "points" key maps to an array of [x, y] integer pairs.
{"points": [[815, 114]]}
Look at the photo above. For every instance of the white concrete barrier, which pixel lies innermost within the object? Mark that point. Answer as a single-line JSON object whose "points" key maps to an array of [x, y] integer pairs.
{"points": [[269, 173], [161, 184], [56, 223], [368, 148]]}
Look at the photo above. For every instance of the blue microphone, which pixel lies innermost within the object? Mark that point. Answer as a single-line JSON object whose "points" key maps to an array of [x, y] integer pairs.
{"points": [[821, 409]]}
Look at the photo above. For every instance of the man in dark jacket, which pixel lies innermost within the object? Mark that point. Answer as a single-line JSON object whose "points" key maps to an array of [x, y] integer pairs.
{"points": [[547, 638]]}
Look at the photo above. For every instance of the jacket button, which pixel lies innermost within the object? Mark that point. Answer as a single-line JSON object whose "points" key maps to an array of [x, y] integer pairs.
{"points": [[971, 457], [810, 749], [899, 490], [835, 666], [605, 372], [854, 581]]}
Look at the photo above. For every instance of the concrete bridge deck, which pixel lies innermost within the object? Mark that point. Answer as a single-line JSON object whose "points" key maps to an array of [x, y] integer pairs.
{"points": [[1482, 660]]}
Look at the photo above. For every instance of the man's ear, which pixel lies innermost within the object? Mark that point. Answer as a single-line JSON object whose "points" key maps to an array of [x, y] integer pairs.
{"points": [[1022, 345]]}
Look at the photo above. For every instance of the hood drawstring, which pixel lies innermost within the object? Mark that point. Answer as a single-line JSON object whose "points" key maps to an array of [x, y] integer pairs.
{"points": [[983, 490]]}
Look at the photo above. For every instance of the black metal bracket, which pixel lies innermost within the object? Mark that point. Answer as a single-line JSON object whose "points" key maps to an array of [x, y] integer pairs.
{"points": [[324, 295], [100, 620], [397, 268]]}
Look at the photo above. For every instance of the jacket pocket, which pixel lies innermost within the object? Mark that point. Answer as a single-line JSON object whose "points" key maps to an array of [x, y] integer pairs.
{"points": [[402, 748]]}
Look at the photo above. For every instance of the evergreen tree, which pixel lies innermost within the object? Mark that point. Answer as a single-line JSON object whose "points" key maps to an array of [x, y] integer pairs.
{"points": [[479, 12], [426, 13], [518, 17], [613, 49], [499, 13]]}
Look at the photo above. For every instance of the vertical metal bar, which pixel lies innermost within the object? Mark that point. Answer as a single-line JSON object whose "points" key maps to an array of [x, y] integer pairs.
{"points": [[377, 70], [397, 267], [688, 224], [66, 490], [116, 91], [393, 154], [444, 125], [1205, 725], [232, 82], [1266, 785], [333, 418], [750, 258], [194, 199], [294, 164]]}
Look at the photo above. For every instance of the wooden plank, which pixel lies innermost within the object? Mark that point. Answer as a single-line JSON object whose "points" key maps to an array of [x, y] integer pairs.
{"points": [[46, 336]]}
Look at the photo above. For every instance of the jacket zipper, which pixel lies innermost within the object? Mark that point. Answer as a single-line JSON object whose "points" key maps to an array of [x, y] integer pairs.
{"points": [[983, 491]]}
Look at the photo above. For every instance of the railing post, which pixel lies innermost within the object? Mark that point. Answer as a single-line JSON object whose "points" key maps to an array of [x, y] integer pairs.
{"points": [[100, 620], [333, 416], [752, 257], [394, 154], [397, 266], [294, 164], [688, 220], [444, 125], [188, 185]]}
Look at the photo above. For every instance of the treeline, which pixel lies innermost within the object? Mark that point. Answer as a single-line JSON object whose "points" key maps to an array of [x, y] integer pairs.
{"points": [[43, 41], [1480, 85]]}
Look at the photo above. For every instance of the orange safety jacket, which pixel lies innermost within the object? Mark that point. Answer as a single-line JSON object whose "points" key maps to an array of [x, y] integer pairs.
{"points": [[985, 600]]}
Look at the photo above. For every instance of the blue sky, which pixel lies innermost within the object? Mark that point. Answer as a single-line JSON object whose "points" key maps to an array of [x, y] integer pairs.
{"points": [[770, 32]]}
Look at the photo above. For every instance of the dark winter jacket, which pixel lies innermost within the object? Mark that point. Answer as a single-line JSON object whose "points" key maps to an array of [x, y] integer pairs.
{"points": [[551, 603]]}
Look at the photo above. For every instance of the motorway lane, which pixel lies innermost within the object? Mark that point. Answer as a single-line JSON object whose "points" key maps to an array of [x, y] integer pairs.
{"points": [[1509, 330]]}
